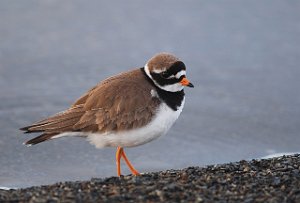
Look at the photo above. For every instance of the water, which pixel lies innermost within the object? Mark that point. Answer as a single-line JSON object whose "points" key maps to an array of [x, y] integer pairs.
{"points": [[242, 56]]}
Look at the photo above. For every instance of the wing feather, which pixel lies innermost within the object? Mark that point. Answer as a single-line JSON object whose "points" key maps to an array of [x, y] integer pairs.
{"points": [[122, 102]]}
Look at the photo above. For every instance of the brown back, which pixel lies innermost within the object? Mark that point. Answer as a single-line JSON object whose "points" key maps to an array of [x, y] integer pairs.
{"points": [[121, 102]]}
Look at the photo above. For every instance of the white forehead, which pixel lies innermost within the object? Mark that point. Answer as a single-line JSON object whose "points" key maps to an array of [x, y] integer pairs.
{"points": [[180, 73]]}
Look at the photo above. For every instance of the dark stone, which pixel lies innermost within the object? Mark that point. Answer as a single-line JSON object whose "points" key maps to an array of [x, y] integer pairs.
{"points": [[270, 180]]}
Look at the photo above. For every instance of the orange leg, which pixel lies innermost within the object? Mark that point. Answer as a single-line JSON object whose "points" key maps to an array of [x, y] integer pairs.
{"points": [[118, 159], [132, 169], [120, 153]]}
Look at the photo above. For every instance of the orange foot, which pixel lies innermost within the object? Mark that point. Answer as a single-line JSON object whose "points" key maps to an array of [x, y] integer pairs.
{"points": [[120, 153]]}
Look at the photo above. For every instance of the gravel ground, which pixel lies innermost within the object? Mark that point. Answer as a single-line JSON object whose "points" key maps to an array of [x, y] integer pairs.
{"points": [[269, 180]]}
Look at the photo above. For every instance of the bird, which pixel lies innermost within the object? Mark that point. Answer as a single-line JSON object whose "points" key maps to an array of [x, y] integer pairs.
{"points": [[126, 110]]}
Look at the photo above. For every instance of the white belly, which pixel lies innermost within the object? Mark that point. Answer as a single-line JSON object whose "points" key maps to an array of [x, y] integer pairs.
{"points": [[159, 125]]}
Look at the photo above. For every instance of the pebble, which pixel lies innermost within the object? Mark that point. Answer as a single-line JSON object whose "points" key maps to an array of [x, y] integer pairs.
{"points": [[267, 180]]}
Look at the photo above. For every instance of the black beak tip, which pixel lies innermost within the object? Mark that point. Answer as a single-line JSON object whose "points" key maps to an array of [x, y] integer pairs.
{"points": [[190, 85]]}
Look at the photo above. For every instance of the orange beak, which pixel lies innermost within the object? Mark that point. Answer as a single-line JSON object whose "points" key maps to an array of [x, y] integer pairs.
{"points": [[186, 82]]}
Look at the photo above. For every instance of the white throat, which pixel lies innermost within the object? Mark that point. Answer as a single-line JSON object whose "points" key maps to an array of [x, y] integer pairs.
{"points": [[170, 88]]}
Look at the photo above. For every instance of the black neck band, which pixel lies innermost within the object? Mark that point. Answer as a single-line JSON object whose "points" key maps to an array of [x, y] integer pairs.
{"points": [[172, 99]]}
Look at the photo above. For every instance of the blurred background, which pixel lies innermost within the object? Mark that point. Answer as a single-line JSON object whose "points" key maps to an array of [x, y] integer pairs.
{"points": [[242, 56]]}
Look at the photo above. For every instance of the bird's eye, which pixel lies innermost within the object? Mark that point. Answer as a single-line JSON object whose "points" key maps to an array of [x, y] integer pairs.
{"points": [[164, 74]]}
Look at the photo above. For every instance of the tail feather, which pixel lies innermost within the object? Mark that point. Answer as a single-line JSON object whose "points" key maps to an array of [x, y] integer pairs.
{"points": [[39, 139], [71, 113], [54, 125], [60, 117], [47, 123]]}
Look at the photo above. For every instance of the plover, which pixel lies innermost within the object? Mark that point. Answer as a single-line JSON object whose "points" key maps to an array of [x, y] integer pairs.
{"points": [[125, 110]]}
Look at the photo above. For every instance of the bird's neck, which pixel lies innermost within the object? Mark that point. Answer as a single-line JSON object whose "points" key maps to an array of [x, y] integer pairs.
{"points": [[172, 99]]}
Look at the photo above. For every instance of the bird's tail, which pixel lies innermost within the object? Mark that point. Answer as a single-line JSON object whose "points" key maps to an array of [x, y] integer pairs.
{"points": [[55, 126], [39, 139]]}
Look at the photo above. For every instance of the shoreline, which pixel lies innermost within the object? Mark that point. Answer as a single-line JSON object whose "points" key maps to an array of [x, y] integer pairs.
{"points": [[266, 180]]}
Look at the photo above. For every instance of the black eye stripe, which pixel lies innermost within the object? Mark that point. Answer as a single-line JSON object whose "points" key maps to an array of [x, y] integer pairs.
{"points": [[163, 78], [165, 74], [164, 81], [181, 77], [176, 68]]}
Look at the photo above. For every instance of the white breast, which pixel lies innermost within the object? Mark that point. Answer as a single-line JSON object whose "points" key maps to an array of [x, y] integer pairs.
{"points": [[161, 123]]}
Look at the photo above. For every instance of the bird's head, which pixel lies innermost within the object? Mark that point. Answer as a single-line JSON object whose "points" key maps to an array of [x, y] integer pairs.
{"points": [[167, 72]]}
